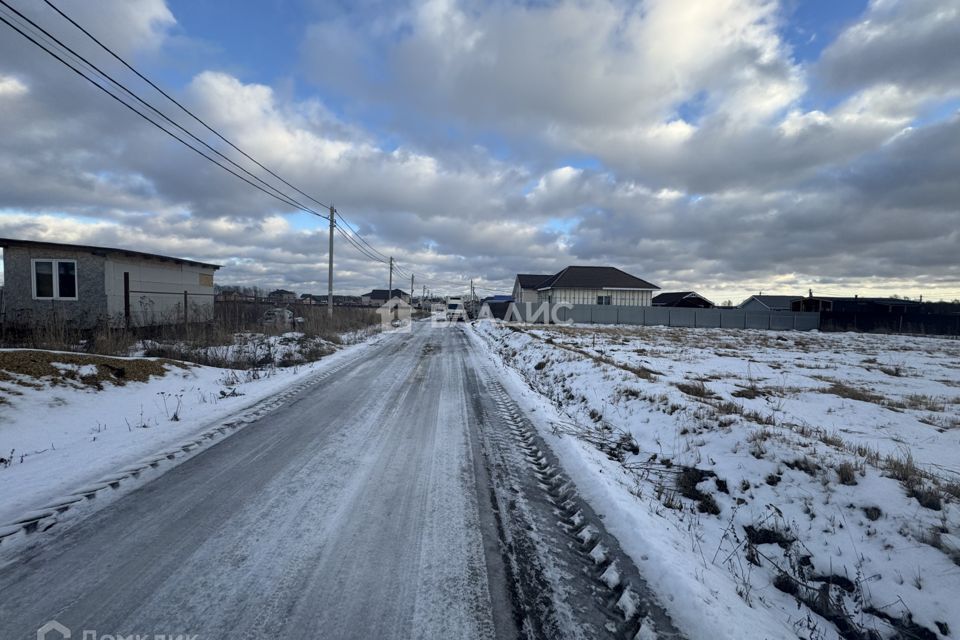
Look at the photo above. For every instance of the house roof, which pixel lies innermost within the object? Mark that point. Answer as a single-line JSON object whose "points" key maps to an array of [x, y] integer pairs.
{"points": [[12, 242], [862, 300], [385, 294], [594, 278], [773, 302], [530, 280], [672, 297]]}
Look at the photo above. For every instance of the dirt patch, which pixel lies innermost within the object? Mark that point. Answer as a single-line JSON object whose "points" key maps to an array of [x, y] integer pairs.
{"points": [[76, 369]]}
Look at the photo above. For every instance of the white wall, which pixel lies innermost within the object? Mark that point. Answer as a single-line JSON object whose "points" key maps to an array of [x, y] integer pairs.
{"points": [[621, 297], [156, 290]]}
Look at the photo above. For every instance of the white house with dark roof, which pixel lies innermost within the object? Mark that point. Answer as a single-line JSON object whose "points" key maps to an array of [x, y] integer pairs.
{"points": [[82, 286], [596, 285]]}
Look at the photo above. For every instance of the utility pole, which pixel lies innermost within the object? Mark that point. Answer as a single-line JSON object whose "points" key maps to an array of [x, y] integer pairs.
{"points": [[411, 288], [390, 290], [333, 213]]}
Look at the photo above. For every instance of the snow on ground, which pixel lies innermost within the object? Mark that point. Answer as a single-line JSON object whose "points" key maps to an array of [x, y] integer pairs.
{"points": [[790, 484], [66, 421]]}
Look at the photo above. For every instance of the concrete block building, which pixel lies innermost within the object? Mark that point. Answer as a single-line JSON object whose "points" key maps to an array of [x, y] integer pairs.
{"points": [[83, 286]]}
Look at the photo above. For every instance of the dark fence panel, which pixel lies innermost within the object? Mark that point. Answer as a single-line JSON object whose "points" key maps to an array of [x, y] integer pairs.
{"points": [[928, 323]]}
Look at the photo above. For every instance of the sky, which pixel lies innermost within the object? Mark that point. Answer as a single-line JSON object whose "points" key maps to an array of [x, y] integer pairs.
{"points": [[728, 147]]}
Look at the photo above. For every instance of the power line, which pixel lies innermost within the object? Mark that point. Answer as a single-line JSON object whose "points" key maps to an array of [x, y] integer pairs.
{"points": [[207, 126], [372, 249], [146, 104], [363, 246], [359, 237], [176, 102], [170, 133]]}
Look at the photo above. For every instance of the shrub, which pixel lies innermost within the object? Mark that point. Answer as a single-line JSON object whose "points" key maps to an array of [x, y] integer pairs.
{"points": [[847, 473], [697, 389]]}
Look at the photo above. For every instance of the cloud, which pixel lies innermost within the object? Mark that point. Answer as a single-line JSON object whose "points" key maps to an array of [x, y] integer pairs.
{"points": [[11, 87], [679, 140], [913, 44]]}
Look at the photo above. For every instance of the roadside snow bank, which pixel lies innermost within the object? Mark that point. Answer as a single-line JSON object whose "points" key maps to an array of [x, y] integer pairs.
{"points": [[67, 421], [793, 485]]}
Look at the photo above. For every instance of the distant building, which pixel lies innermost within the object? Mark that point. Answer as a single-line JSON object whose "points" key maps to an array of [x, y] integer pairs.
{"points": [[596, 285], [233, 296], [768, 303], [83, 286], [338, 300], [855, 304], [687, 299], [281, 296], [378, 297], [525, 287]]}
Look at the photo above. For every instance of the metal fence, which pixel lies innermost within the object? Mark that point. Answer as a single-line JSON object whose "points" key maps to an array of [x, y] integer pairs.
{"points": [[667, 316], [915, 323]]}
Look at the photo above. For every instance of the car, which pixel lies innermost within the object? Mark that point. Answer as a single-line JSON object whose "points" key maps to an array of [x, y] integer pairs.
{"points": [[277, 317], [455, 310]]}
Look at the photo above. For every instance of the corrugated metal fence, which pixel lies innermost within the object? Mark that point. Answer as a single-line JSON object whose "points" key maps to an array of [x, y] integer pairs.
{"points": [[670, 317]]}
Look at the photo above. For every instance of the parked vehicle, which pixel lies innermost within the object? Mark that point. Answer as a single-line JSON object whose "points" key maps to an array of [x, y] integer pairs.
{"points": [[456, 312], [278, 317]]}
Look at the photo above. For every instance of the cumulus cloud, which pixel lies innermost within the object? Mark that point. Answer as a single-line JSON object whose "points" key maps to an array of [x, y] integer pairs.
{"points": [[707, 159], [913, 44]]}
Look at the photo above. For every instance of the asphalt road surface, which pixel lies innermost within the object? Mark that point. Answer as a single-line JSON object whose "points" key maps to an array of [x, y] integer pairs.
{"points": [[370, 506]]}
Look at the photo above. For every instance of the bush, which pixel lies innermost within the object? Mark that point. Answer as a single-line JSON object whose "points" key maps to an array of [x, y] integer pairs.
{"points": [[847, 473]]}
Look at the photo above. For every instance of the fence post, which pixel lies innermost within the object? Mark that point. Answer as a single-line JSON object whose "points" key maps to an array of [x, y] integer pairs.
{"points": [[185, 294]]}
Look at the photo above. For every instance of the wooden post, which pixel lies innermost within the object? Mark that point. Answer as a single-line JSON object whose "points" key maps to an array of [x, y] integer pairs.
{"points": [[126, 299], [185, 299]]}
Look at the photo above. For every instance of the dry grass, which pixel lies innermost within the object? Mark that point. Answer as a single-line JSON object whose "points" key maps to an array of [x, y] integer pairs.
{"points": [[193, 342], [847, 473], [696, 389], [844, 390], [40, 364]]}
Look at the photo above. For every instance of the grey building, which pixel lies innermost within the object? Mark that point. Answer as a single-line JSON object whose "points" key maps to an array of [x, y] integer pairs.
{"points": [[82, 286], [768, 303]]}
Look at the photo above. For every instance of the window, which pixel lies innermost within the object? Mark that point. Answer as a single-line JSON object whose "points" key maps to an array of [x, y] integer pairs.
{"points": [[603, 300], [54, 279]]}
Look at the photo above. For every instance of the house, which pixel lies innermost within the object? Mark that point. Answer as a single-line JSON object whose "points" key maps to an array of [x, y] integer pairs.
{"points": [[768, 303], [596, 285], [232, 295], [688, 299], [856, 304], [379, 296], [83, 286], [525, 287], [281, 296], [338, 300]]}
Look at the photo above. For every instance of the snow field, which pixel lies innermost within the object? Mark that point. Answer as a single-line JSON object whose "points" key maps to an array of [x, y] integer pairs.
{"points": [[801, 484]]}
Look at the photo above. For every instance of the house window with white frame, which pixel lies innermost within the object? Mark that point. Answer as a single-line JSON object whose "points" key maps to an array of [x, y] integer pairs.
{"points": [[604, 300], [54, 279]]}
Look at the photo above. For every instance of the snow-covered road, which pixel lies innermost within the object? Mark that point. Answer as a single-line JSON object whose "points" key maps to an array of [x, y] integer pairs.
{"points": [[370, 506]]}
